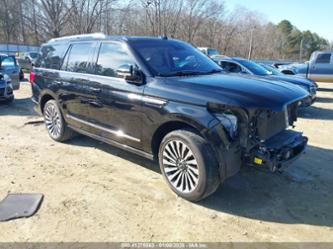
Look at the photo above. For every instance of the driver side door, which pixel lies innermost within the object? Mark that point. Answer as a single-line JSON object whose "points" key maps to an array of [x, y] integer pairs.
{"points": [[117, 110]]}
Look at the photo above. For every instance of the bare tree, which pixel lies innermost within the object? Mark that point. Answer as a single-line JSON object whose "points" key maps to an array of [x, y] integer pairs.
{"points": [[54, 16], [86, 15]]}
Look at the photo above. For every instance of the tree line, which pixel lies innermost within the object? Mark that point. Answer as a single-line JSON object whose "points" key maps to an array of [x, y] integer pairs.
{"points": [[206, 23]]}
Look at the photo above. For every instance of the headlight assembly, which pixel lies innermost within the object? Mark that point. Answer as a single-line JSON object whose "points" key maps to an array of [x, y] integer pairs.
{"points": [[229, 122]]}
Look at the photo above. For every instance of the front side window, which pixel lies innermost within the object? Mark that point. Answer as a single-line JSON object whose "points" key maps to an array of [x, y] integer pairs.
{"points": [[324, 58], [171, 58], [78, 57], [230, 67], [111, 57]]}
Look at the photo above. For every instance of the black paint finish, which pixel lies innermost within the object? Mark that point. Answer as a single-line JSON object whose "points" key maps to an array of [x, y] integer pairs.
{"points": [[136, 116]]}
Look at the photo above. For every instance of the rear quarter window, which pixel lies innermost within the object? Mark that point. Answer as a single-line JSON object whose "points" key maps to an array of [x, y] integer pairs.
{"points": [[51, 56]]}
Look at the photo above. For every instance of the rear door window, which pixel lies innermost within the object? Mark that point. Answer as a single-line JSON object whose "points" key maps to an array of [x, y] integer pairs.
{"points": [[323, 58], [78, 58]]}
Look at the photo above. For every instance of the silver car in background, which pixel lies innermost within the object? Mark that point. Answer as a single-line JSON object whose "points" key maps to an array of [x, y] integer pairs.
{"points": [[10, 67]]}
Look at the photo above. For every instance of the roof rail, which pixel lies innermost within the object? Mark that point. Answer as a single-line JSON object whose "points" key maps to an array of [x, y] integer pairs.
{"points": [[83, 36]]}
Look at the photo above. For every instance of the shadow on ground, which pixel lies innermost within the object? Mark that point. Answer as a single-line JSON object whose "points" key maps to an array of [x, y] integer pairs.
{"points": [[322, 89], [300, 195], [19, 107], [84, 141], [314, 112], [324, 100]]}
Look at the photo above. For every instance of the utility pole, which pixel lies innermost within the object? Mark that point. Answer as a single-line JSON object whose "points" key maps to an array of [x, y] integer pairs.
{"points": [[301, 49], [251, 44]]}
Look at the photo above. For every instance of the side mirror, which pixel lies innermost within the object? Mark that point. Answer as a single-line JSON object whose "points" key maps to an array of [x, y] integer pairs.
{"points": [[130, 73]]}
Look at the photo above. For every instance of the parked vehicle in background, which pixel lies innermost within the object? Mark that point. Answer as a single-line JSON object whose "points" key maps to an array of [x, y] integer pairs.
{"points": [[6, 89], [210, 52], [27, 60], [163, 99], [244, 66], [319, 68], [31, 57], [9, 66]]}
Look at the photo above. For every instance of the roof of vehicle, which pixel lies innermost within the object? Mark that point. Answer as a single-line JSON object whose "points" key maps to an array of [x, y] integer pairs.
{"points": [[323, 51], [101, 36]]}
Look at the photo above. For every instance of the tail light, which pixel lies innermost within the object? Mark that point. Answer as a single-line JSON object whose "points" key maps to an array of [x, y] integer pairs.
{"points": [[32, 77]]}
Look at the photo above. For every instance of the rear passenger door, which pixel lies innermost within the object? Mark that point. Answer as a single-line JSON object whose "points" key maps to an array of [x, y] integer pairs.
{"points": [[117, 112], [76, 93]]}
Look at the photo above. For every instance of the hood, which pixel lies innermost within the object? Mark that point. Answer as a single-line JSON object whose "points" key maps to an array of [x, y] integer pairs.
{"points": [[294, 80], [238, 91]]}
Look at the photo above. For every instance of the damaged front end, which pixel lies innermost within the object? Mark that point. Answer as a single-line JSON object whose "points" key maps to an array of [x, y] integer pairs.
{"points": [[278, 151], [258, 137], [277, 145]]}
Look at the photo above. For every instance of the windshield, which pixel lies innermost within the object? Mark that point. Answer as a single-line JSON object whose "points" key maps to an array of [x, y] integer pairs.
{"points": [[272, 70], [254, 68], [173, 58]]}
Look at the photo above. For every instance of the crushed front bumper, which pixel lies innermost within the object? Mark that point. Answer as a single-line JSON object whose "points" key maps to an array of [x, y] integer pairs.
{"points": [[278, 151]]}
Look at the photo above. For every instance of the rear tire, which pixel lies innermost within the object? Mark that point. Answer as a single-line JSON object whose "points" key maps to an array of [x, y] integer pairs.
{"points": [[55, 123], [188, 165]]}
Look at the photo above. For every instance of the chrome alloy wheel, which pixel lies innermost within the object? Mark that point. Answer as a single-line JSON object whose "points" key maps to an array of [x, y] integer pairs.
{"points": [[180, 166], [53, 121]]}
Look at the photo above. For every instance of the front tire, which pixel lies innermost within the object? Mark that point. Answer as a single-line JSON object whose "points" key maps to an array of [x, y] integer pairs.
{"points": [[188, 165], [55, 123]]}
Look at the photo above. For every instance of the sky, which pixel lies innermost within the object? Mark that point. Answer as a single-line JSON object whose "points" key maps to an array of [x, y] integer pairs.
{"points": [[313, 15]]}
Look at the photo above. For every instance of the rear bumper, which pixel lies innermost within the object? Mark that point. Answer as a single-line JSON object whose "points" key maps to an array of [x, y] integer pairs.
{"points": [[279, 151]]}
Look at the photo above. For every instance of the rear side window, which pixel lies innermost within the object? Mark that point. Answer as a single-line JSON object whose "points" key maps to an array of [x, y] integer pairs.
{"points": [[323, 58], [51, 56], [78, 58], [111, 57]]}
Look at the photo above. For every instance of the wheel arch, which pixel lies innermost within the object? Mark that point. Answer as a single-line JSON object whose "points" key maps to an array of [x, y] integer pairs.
{"points": [[46, 96], [168, 127]]}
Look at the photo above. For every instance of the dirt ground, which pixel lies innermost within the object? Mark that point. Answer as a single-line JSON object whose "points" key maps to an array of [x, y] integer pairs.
{"points": [[95, 192]]}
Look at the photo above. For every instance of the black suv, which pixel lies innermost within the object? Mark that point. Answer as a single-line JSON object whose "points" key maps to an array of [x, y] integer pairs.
{"points": [[163, 99]]}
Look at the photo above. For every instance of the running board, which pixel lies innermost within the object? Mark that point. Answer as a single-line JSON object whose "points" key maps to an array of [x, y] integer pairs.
{"points": [[114, 143]]}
